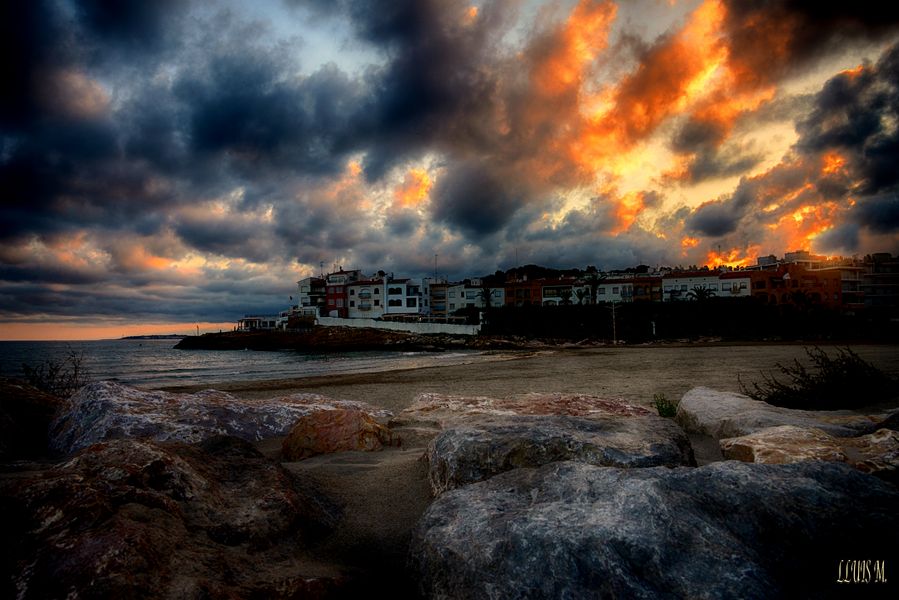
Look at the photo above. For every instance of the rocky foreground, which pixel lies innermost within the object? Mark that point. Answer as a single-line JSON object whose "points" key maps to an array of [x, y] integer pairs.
{"points": [[148, 494]]}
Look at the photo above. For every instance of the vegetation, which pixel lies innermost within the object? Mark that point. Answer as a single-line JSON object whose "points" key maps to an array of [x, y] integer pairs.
{"points": [[844, 381], [60, 378], [665, 407]]}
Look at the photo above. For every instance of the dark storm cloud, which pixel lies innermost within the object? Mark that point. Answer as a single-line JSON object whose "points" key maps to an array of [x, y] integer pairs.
{"points": [[473, 199], [436, 87], [714, 219], [769, 39], [880, 214], [131, 26], [842, 238], [856, 115], [241, 105]]}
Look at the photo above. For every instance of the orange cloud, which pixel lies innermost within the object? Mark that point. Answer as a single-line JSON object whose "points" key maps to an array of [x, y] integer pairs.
{"points": [[415, 188], [583, 36], [628, 208], [733, 257]]}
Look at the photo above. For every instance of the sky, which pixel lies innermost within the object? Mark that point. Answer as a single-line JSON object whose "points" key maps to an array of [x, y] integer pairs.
{"points": [[168, 165]]}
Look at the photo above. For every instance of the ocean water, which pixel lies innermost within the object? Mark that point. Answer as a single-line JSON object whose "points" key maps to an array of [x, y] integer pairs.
{"points": [[156, 363]]}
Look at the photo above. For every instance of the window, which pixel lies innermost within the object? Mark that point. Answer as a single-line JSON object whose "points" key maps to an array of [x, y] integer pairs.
{"points": [[394, 302], [352, 292], [683, 287], [352, 304], [452, 294], [742, 285], [340, 303], [395, 291], [377, 302], [713, 287], [668, 288], [452, 306], [470, 294], [614, 290], [377, 290], [411, 302], [601, 291]]}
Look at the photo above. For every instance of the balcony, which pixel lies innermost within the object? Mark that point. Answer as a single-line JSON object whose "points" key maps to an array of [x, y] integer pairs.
{"points": [[365, 293]]}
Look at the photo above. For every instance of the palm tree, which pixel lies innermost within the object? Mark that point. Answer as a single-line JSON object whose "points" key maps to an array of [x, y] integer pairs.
{"points": [[700, 293], [592, 279], [581, 293], [484, 294]]}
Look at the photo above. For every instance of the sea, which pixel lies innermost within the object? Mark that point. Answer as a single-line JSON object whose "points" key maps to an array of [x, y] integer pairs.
{"points": [[155, 363]]}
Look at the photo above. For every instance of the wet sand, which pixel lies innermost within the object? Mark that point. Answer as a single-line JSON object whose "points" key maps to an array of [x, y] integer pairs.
{"points": [[383, 494]]}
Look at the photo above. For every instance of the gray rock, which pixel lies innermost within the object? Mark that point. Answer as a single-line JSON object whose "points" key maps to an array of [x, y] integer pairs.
{"points": [[430, 413], [106, 410], [728, 414], [487, 445], [725, 530]]}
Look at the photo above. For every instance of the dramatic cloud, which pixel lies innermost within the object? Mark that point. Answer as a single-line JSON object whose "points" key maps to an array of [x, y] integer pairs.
{"points": [[180, 161]]}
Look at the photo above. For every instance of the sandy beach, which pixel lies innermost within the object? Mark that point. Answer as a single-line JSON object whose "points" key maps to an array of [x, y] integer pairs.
{"points": [[383, 494]]}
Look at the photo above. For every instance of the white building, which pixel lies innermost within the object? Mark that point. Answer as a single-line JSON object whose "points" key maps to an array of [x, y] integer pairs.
{"points": [[310, 295], [615, 290], [736, 284], [677, 286], [407, 297], [365, 299]]}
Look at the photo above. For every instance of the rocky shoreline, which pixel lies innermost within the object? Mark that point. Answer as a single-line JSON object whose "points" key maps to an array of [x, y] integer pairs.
{"points": [[146, 494], [351, 339]]}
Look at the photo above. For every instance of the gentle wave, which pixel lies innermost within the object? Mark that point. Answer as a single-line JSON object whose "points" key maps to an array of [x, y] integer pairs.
{"points": [[155, 363]]}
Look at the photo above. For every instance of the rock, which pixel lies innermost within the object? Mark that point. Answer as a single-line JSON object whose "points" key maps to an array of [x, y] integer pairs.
{"points": [[478, 450], [142, 519], [337, 430], [25, 416], [876, 453], [729, 529], [728, 415], [471, 438], [429, 413], [107, 410], [784, 444]]}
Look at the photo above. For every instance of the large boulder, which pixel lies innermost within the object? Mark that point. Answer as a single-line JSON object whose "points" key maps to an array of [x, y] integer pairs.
{"points": [[728, 414], [479, 449], [106, 410], [143, 519], [430, 413], [725, 530], [876, 453], [472, 438], [337, 430]]}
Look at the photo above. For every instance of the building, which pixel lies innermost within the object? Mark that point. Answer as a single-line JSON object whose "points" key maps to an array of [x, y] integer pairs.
{"points": [[647, 288], [311, 296], [336, 301], [523, 292], [615, 290], [365, 298], [259, 323], [880, 281], [407, 297], [684, 285], [734, 284]]}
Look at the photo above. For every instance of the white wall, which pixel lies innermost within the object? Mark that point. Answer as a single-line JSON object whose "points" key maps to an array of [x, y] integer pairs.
{"points": [[397, 326]]}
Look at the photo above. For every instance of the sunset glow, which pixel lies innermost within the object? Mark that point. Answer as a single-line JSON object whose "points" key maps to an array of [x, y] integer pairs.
{"points": [[174, 163]]}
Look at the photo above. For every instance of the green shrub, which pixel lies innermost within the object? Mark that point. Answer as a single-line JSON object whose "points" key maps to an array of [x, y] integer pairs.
{"points": [[61, 378], [841, 382], [665, 407]]}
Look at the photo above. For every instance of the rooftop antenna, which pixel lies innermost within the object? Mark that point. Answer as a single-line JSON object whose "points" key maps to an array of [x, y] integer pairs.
{"points": [[435, 267], [321, 269]]}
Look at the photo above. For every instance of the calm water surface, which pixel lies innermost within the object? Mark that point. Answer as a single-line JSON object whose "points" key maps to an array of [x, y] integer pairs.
{"points": [[155, 363]]}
